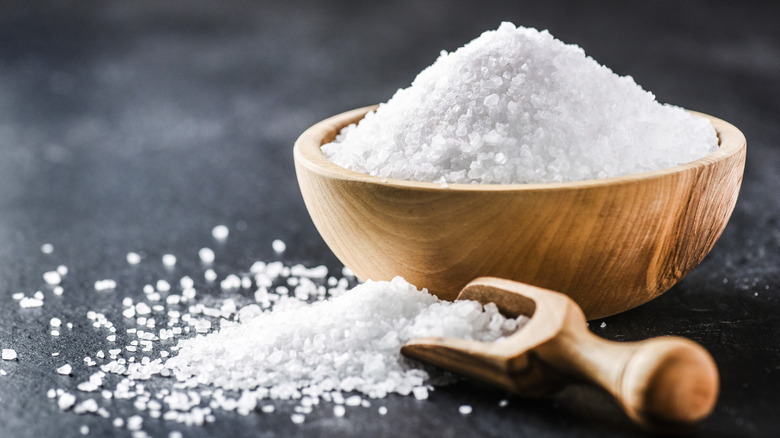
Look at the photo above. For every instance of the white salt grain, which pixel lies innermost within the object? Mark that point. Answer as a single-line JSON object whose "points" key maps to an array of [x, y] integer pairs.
{"points": [[52, 277], [84, 429], [9, 354], [135, 422], [382, 410], [65, 370], [169, 260], [297, 418], [66, 401], [103, 285], [519, 106], [206, 255], [55, 322], [29, 302], [339, 410], [133, 258], [465, 409], [603, 324], [220, 232], [47, 248], [62, 270], [279, 246]]}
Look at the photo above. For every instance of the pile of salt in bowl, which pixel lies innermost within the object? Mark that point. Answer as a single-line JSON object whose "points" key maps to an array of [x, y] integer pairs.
{"points": [[516, 106], [274, 331]]}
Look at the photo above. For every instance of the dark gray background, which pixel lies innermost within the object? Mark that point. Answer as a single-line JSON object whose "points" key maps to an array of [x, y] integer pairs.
{"points": [[138, 126]]}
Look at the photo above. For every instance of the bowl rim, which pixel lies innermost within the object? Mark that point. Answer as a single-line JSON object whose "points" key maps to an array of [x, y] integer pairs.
{"points": [[308, 153]]}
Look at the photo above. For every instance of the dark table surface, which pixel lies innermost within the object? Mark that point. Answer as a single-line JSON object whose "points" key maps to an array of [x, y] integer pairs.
{"points": [[138, 126]]}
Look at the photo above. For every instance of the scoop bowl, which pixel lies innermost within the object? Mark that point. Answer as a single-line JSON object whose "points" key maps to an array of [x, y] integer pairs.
{"points": [[610, 244]]}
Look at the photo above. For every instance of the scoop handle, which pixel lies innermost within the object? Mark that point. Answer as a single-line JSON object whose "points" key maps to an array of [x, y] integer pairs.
{"points": [[660, 382]]}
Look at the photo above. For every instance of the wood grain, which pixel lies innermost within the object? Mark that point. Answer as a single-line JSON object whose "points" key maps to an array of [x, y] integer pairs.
{"points": [[661, 383], [611, 244]]}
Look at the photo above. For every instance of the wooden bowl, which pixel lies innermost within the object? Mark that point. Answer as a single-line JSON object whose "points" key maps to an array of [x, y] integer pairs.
{"points": [[610, 244]]}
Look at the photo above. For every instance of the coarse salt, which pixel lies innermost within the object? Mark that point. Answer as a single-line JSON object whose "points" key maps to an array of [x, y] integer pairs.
{"points": [[518, 106]]}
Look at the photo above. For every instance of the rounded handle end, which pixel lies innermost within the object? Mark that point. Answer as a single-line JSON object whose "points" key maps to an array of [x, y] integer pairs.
{"points": [[669, 382]]}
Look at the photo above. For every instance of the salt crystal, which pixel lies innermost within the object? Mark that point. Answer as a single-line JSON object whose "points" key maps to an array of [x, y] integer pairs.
{"points": [[65, 369], [297, 418], [66, 401], [339, 410], [84, 429], [518, 106], [210, 275], [55, 322], [135, 422], [57, 290], [465, 409], [279, 246], [9, 354], [107, 284], [220, 232], [206, 255], [52, 277], [420, 393], [47, 248], [169, 260], [133, 258], [382, 410], [603, 324], [62, 270]]}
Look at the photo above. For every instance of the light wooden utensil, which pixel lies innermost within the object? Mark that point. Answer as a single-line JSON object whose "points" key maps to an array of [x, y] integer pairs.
{"points": [[610, 244], [661, 382]]}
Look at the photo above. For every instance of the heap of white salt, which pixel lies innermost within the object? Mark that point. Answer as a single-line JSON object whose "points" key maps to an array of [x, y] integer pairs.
{"points": [[348, 343], [518, 106]]}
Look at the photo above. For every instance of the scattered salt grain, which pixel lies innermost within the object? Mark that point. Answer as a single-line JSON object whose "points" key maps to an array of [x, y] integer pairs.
{"points": [[18, 296], [66, 401], [62, 270], [84, 429], [52, 277], [55, 322], [65, 370], [382, 410], [29, 302], [135, 422], [47, 248], [103, 285], [279, 246], [169, 260], [465, 409], [503, 403], [163, 286], [57, 290], [206, 255], [518, 106], [210, 275], [420, 393], [339, 410], [133, 258], [220, 232], [603, 324], [297, 418], [9, 354]]}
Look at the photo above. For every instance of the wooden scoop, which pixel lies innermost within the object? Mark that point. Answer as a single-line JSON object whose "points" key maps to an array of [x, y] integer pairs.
{"points": [[660, 382]]}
